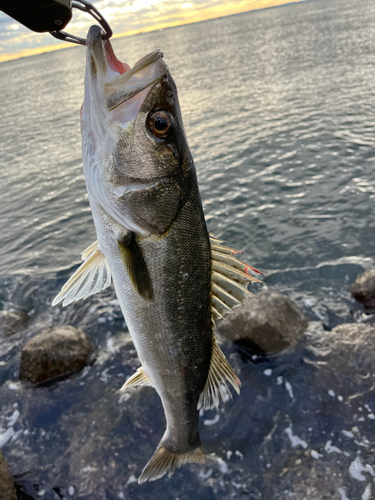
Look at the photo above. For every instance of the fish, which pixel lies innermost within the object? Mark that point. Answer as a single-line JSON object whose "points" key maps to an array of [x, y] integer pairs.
{"points": [[173, 279]]}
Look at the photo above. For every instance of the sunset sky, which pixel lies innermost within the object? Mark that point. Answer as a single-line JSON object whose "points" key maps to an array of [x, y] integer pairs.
{"points": [[126, 17]]}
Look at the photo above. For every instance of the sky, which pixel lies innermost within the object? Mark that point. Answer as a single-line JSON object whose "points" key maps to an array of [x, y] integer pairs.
{"points": [[126, 17]]}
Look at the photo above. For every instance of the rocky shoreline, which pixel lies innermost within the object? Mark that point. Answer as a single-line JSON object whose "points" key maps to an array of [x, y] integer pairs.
{"points": [[303, 426]]}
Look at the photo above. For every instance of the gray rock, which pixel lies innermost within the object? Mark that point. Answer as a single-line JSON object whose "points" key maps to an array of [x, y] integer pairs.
{"points": [[363, 288], [271, 323], [7, 490], [11, 322], [55, 353], [353, 345], [346, 358]]}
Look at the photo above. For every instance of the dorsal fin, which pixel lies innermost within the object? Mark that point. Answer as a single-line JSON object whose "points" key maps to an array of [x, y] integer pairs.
{"points": [[229, 279], [219, 373], [229, 282], [91, 277]]}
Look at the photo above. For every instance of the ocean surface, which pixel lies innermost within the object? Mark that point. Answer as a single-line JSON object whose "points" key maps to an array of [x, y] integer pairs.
{"points": [[279, 109]]}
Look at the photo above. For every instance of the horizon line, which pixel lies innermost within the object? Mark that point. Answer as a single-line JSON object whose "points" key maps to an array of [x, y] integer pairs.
{"points": [[158, 27]]}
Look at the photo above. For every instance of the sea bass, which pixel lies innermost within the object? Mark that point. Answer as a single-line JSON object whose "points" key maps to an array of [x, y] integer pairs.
{"points": [[172, 279]]}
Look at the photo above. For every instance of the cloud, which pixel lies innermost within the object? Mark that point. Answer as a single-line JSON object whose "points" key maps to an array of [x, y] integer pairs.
{"points": [[125, 17]]}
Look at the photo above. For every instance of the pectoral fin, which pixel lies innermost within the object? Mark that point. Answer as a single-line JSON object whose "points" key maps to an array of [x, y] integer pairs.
{"points": [[91, 277], [135, 266]]}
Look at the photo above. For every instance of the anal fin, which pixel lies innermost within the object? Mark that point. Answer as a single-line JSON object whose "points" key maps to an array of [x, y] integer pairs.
{"points": [[138, 378], [91, 277]]}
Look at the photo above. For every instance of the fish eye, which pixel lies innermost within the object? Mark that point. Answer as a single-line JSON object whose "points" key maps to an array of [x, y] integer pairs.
{"points": [[160, 124]]}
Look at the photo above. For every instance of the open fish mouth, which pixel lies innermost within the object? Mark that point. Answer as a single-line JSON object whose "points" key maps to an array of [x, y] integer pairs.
{"points": [[119, 81]]}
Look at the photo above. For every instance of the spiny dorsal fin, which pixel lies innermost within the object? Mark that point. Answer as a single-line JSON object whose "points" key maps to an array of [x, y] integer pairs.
{"points": [[91, 277], [229, 279], [164, 461], [229, 282], [138, 378], [219, 373]]}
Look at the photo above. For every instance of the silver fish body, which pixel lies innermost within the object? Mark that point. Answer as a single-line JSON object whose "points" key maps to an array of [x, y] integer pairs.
{"points": [[169, 315], [172, 279]]}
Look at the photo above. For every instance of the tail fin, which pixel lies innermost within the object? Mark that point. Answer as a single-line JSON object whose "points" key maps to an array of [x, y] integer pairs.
{"points": [[163, 462]]}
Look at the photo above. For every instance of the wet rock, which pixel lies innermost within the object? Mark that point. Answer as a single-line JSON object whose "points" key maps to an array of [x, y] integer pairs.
{"points": [[363, 289], [270, 324], [55, 353], [343, 358], [353, 345], [7, 490], [11, 322]]}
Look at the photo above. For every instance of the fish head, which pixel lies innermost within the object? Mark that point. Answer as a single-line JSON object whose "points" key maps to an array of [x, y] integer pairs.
{"points": [[137, 161]]}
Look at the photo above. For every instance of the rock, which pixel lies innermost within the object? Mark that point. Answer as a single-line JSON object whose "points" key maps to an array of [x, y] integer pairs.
{"points": [[348, 352], [353, 345], [363, 288], [270, 324], [55, 353], [11, 322], [7, 490]]}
